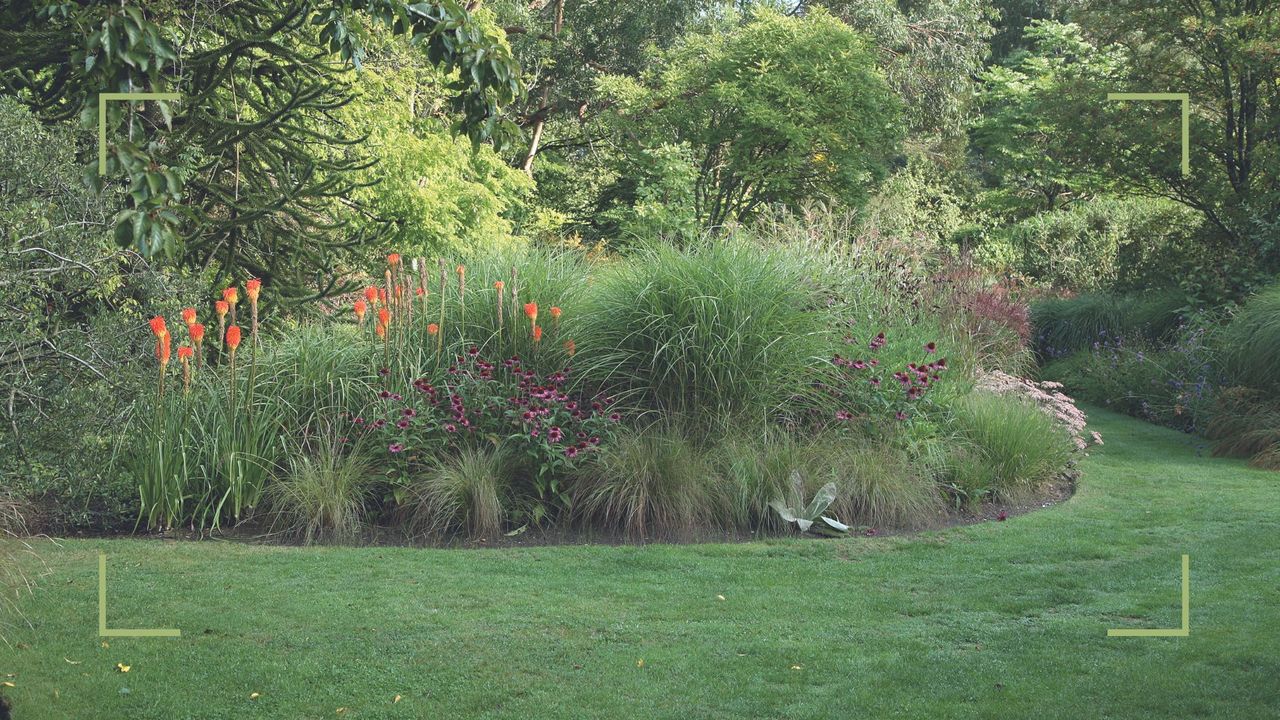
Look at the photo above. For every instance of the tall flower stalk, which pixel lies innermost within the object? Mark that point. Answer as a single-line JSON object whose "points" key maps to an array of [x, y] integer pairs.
{"points": [[252, 289], [444, 284]]}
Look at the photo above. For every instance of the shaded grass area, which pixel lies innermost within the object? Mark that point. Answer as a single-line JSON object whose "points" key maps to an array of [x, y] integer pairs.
{"points": [[995, 620]]}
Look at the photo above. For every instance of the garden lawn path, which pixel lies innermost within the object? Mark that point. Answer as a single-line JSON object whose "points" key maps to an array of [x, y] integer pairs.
{"points": [[997, 620]]}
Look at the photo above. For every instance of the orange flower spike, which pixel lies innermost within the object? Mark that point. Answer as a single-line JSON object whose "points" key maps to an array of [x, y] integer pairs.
{"points": [[196, 332], [570, 347], [531, 311], [233, 337], [537, 333], [252, 289], [393, 259], [371, 294], [360, 309], [189, 316], [231, 295], [381, 330], [384, 316], [382, 296], [221, 307], [499, 285], [163, 349], [432, 329], [185, 353], [555, 312], [158, 327], [462, 271]]}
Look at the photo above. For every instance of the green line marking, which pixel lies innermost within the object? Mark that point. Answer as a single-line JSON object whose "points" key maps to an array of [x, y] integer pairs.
{"points": [[102, 610], [102, 117], [1183, 631], [1185, 98]]}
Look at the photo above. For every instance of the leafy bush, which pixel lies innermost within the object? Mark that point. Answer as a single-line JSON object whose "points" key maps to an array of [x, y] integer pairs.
{"points": [[653, 482], [1019, 447], [720, 328], [1107, 244]]}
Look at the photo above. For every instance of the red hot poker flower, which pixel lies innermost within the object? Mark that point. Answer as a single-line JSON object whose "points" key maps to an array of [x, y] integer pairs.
{"points": [[252, 288], [221, 307], [432, 329], [393, 259], [163, 348], [371, 294], [231, 295], [537, 333], [185, 352], [384, 316], [360, 308], [196, 331], [531, 311], [189, 316], [158, 327], [233, 337], [555, 312]]}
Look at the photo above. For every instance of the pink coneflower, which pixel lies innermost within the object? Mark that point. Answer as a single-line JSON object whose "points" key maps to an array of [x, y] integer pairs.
{"points": [[402, 423], [395, 448], [615, 417], [555, 434], [408, 412], [900, 415], [844, 415], [571, 451], [450, 428], [877, 342], [930, 347]]}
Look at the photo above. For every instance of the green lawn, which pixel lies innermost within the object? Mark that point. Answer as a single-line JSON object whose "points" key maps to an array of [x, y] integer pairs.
{"points": [[997, 620]]}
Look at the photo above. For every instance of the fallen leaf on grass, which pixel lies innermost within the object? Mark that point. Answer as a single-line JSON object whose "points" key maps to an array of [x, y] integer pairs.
{"points": [[397, 699], [339, 711], [719, 597], [254, 696], [71, 662], [121, 667], [640, 662], [6, 683], [797, 667]]}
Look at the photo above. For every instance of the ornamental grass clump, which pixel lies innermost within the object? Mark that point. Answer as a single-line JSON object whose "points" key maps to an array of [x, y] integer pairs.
{"points": [[723, 327]]}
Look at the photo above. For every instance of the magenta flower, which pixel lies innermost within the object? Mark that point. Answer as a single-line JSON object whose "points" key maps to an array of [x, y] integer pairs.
{"points": [[402, 423], [555, 434], [450, 428], [930, 347], [844, 415], [900, 415], [395, 447], [615, 417], [571, 451]]}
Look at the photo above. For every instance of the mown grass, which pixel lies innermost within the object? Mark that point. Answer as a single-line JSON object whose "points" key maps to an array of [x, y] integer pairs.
{"points": [[997, 620]]}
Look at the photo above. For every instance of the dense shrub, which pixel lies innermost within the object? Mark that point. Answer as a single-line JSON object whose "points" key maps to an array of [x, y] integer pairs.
{"points": [[1107, 244]]}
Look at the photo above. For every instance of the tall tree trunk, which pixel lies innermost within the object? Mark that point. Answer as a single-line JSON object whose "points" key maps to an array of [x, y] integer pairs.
{"points": [[546, 98]]}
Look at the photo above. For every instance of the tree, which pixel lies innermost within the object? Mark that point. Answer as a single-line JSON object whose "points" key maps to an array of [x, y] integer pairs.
{"points": [[248, 178], [1031, 114], [931, 52], [775, 110], [1226, 55]]}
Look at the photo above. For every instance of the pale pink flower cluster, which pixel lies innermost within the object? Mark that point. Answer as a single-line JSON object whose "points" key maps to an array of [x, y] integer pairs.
{"points": [[1047, 396]]}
